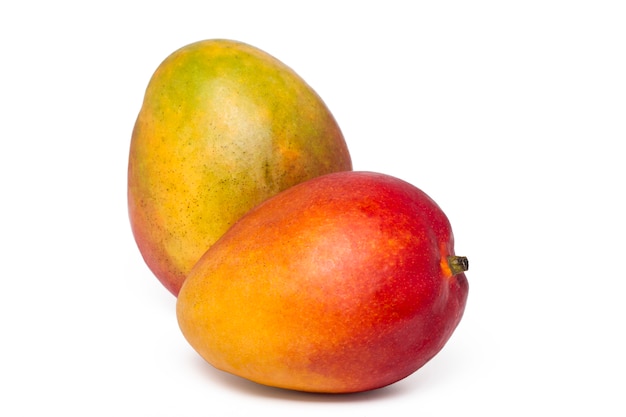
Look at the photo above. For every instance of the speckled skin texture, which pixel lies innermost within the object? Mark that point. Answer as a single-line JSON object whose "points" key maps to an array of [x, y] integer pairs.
{"points": [[223, 126], [337, 285]]}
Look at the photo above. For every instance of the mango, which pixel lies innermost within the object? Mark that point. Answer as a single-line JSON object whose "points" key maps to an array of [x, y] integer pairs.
{"points": [[347, 282], [223, 126]]}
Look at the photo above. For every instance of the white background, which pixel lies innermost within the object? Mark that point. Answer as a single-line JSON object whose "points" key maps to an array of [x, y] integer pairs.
{"points": [[511, 115]]}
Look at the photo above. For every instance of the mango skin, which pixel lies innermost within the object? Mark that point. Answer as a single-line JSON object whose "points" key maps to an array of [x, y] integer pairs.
{"points": [[336, 285], [223, 126]]}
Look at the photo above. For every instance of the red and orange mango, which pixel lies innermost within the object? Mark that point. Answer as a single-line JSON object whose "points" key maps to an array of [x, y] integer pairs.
{"points": [[344, 283]]}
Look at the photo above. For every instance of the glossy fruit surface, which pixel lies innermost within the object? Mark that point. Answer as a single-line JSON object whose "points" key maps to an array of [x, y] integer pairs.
{"points": [[223, 126], [347, 282]]}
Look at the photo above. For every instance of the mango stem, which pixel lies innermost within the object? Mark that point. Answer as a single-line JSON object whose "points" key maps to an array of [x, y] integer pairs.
{"points": [[458, 264]]}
